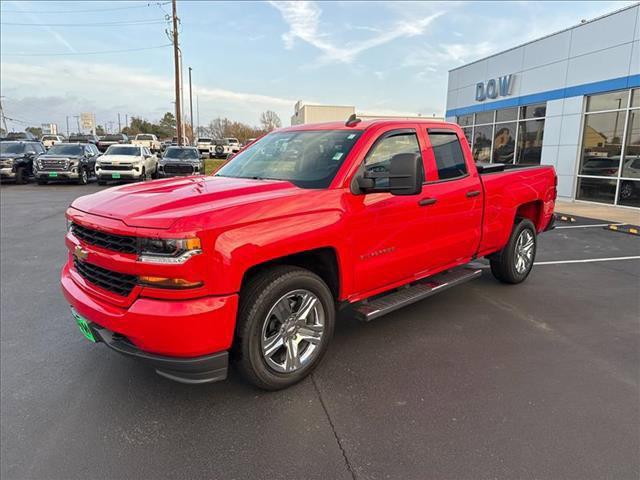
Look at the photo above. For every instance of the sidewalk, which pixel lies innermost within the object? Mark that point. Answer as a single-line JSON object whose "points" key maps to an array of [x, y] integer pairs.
{"points": [[607, 213]]}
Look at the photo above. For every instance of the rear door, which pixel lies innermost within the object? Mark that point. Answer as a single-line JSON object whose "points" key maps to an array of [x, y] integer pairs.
{"points": [[452, 201]]}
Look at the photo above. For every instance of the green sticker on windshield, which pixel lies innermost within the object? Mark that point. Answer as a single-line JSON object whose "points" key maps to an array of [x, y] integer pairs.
{"points": [[337, 156]]}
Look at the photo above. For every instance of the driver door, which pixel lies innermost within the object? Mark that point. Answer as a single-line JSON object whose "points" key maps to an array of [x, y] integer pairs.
{"points": [[388, 231]]}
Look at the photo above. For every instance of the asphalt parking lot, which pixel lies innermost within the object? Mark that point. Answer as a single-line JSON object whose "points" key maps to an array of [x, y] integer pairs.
{"points": [[539, 380]]}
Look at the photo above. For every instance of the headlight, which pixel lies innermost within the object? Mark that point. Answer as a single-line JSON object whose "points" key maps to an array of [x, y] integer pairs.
{"points": [[69, 224], [157, 250]]}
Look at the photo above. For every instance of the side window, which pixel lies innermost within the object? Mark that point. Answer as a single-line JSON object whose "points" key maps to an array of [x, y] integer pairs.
{"points": [[30, 149], [379, 157], [87, 151], [448, 155]]}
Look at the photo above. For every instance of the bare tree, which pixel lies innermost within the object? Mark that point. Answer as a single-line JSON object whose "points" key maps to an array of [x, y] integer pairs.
{"points": [[270, 120]]}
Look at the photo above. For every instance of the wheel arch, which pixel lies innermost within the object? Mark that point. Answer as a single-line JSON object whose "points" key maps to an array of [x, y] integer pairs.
{"points": [[531, 211], [322, 261]]}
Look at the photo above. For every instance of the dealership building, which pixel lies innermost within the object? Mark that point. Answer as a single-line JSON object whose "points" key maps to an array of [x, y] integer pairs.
{"points": [[570, 99]]}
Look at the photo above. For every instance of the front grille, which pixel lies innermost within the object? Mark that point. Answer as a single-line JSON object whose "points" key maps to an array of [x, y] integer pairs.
{"points": [[118, 283], [6, 164], [117, 167], [178, 168], [54, 164], [110, 241]]}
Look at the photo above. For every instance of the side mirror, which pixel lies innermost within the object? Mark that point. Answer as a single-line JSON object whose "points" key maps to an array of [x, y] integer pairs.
{"points": [[403, 178]]}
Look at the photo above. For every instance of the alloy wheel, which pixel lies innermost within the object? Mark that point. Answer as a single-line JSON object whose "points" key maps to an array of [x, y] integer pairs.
{"points": [[524, 251], [292, 331]]}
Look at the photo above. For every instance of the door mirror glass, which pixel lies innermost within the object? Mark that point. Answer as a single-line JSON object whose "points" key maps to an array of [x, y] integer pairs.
{"points": [[403, 176]]}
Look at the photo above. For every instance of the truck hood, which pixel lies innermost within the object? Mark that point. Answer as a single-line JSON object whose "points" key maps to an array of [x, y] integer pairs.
{"points": [[159, 204]]}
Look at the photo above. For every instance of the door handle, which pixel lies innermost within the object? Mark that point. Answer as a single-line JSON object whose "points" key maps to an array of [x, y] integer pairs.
{"points": [[427, 201], [473, 193]]}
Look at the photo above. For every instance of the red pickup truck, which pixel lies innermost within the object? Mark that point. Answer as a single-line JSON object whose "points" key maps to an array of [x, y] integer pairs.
{"points": [[252, 262]]}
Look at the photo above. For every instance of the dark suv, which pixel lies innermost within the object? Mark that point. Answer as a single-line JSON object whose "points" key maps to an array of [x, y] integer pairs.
{"points": [[67, 161], [84, 138], [113, 139], [16, 159]]}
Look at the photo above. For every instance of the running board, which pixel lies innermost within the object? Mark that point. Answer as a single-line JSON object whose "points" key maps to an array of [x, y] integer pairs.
{"points": [[381, 305]]}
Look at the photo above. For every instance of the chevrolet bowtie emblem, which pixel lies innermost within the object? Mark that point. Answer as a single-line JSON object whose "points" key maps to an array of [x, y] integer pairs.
{"points": [[80, 253]]}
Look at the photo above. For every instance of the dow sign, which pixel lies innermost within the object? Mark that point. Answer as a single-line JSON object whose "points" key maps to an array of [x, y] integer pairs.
{"points": [[495, 87]]}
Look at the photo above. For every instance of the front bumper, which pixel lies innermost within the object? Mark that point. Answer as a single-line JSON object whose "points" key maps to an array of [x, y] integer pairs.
{"points": [[203, 369], [119, 174], [7, 172], [166, 332], [58, 174]]}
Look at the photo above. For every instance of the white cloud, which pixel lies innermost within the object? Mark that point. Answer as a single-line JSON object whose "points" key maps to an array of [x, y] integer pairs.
{"points": [[303, 18], [79, 86]]}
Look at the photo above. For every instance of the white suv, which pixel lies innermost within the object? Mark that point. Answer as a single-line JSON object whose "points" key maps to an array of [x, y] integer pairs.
{"points": [[234, 144], [126, 162]]}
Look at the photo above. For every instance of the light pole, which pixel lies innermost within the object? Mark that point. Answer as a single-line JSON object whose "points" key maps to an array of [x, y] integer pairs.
{"points": [[191, 105], [176, 64]]}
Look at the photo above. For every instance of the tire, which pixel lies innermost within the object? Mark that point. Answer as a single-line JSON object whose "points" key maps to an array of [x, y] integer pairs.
{"points": [[143, 175], [282, 289], [83, 176], [21, 178], [626, 190], [515, 261]]}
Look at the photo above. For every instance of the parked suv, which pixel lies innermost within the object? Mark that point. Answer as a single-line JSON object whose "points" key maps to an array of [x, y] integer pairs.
{"points": [[126, 162], [67, 161], [114, 139], [84, 138], [205, 146], [16, 159], [222, 148], [180, 161], [234, 144]]}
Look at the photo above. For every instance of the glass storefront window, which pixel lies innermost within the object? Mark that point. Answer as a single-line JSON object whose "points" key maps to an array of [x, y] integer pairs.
{"points": [[464, 120], [602, 144], [631, 163], [596, 189], [635, 98], [533, 111], [629, 193], [608, 101], [482, 143], [467, 133], [506, 115], [504, 142], [484, 117], [530, 135]]}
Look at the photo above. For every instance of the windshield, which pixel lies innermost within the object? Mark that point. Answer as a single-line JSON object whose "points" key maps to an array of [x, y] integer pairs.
{"points": [[66, 150], [182, 153], [306, 158], [221, 141], [11, 147], [144, 137], [232, 140], [204, 140], [122, 150], [112, 138]]}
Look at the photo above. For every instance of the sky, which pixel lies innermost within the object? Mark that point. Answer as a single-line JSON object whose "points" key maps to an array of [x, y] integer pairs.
{"points": [[247, 57]]}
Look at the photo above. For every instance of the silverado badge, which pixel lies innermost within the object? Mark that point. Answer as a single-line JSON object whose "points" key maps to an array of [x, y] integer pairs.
{"points": [[80, 253]]}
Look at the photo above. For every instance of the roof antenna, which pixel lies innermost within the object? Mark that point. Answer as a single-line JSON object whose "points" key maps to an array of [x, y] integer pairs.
{"points": [[352, 121]]}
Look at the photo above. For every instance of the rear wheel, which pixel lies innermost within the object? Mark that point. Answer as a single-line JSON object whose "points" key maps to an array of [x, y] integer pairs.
{"points": [[285, 321], [515, 261]]}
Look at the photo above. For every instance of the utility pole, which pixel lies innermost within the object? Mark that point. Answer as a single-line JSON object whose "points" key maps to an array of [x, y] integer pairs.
{"points": [[191, 105], [176, 62], [198, 115], [119, 124], [67, 126], [126, 120]]}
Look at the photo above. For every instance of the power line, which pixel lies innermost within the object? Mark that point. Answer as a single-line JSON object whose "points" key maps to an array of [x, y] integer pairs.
{"points": [[86, 11], [103, 24], [83, 53]]}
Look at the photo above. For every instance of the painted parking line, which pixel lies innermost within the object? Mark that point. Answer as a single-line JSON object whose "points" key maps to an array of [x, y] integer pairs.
{"points": [[590, 226], [589, 260]]}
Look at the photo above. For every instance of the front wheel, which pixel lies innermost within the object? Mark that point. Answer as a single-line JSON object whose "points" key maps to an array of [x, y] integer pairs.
{"points": [[285, 321], [21, 176], [83, 176], [515, 261]]}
